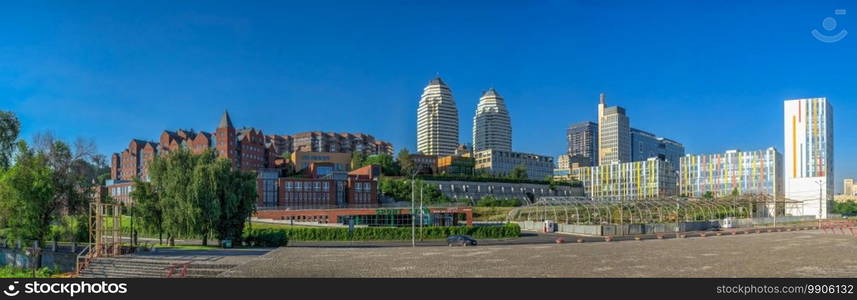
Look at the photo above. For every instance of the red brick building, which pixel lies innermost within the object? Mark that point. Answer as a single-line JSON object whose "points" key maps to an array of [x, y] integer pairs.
{"points": [[251, 150], [317, 188], [246, 148]]}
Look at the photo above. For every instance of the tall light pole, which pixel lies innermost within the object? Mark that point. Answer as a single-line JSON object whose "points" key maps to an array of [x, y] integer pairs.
{"points": [[413, 224], [413, 207]]}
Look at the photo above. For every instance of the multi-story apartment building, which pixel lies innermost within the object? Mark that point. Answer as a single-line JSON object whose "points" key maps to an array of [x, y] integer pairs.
{"points": [[809, 160], [134, 161], [319, 141], [437, 120], [501, 163], [631, 181], [424, 164], [645, 145], [246, 148], [848, 187], [614, 134], [492, 127], [583, 143], [744, 172]]}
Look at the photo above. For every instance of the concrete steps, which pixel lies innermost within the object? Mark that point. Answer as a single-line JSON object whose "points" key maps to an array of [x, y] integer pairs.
{"points": [[137, 267]]}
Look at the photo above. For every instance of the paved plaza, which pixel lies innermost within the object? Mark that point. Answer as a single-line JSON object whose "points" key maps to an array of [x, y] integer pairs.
{"points": [[778, 254]]}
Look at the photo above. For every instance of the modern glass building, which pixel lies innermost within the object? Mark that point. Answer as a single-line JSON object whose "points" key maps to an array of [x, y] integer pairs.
{"points": [[583, 143], [809, 160], [614, 134], [639, 180], [645, 145], [757, 172]]}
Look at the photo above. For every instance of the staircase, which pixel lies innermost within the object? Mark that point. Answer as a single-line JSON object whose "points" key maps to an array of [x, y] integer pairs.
{"points": [[131, 266]]}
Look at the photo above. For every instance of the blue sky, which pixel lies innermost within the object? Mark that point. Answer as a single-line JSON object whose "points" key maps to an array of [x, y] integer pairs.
{"points": [[711, 75]]}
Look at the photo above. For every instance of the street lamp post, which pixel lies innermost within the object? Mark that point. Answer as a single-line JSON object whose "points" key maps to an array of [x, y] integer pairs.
{"points": [[413, 223]]}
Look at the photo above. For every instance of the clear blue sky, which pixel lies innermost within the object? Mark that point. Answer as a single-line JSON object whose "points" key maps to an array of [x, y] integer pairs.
{"points": [[711, 75]]}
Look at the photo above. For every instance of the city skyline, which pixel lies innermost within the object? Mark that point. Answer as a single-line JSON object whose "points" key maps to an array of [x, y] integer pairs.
{"points": [[204, 65]]}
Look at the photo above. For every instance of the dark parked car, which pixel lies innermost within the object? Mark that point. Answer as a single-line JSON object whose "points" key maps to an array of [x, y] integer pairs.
{"points": [[461, 240]]}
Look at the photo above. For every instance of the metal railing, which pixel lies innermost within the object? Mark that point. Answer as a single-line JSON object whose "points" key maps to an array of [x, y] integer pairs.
{"points": [[83, 260], [180, 267]]}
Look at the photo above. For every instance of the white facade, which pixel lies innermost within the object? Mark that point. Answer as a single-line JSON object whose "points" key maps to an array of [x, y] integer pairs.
{"points": [[501, 163], [437, 120], [492, 127], [808, 140]]}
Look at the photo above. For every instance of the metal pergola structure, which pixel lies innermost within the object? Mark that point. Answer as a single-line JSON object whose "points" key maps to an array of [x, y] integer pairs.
{"points": [[583, 210]]}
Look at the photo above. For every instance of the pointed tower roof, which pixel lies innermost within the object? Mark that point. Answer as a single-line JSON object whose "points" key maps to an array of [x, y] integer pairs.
{"points": [[437, 81], [225, 121], [602, 97], [491, 92]]}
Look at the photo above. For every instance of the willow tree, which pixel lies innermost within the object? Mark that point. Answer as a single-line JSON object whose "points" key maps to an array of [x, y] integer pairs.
{"points": [[202, 196]]}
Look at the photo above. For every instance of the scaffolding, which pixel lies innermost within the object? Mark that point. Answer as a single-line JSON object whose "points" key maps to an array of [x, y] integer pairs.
{"points": [[105, 229], [583, 210]]}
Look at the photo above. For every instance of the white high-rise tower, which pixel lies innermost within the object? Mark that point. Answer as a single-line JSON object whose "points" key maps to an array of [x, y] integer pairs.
{"points": [[437, 120], [809, 155], [492, 127]]}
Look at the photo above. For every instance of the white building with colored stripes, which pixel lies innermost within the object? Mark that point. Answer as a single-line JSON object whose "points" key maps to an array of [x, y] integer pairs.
{"points": [[720, 175], [808, 140]]}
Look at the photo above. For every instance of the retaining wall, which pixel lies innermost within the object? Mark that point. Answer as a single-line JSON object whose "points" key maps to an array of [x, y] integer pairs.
{"points": [[62, 260]]}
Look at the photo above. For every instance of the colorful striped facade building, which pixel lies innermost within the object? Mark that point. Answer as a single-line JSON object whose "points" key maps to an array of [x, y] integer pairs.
{"points": [[639, 180], [808, 140], [757, 172]]}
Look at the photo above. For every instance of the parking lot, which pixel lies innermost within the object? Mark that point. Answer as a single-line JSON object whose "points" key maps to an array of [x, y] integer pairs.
{"points": [[777, 254]]}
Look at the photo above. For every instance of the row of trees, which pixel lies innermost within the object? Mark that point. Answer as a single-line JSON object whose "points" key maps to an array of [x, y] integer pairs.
{"points": [[196, 195], [403, 166], [46, 185], [400, 189]]}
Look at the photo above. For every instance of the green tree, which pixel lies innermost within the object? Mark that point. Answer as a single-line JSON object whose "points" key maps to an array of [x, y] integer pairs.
{"points": [[389, 167], [708, 195], [27, 195], [147, 205], [202, 196], [405, 164], [172, 175], [10, 127], [518, 172], [847, 208], [237, 195], [358, 160]]}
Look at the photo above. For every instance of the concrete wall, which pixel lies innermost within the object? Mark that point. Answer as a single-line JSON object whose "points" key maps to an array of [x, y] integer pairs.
{"points": [[472, 191], [740, 223], [63, 259], [619, 230]]}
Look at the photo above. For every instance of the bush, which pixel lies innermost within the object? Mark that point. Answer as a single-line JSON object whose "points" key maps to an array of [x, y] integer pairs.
{"points": [[266, 237], [489, 201], [381, 233]]}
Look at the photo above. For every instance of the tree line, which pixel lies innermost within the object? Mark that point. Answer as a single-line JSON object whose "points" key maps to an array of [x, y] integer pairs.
{"points": [[196, 195], [46, 186]]}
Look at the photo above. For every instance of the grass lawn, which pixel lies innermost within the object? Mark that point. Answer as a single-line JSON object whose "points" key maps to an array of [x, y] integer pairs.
{"points": [[11, 272], [491, 213], [257, 225]]}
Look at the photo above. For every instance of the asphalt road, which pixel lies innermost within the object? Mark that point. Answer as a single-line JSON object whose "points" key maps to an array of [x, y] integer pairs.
{"points": [[777, 254]]}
